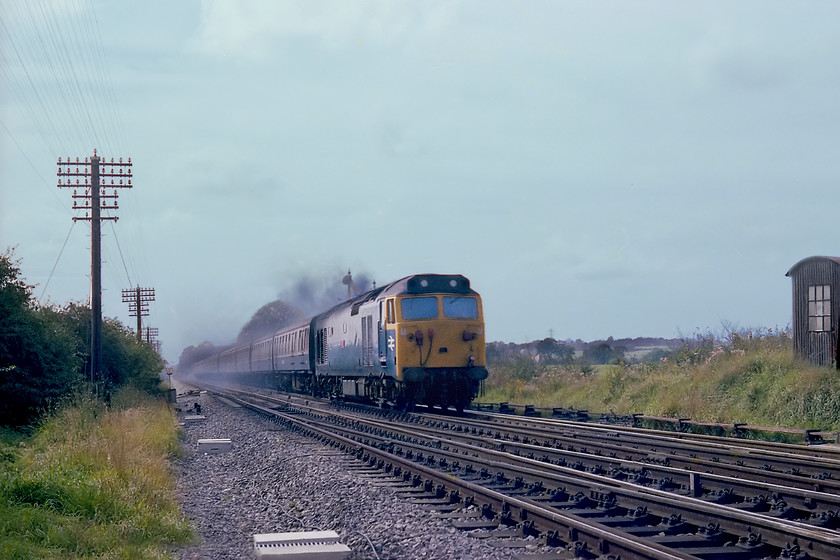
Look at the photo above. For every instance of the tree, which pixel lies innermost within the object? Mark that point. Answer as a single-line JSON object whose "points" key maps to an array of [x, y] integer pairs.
{"points": [[553, 352], [125, 360], [38, 363], [45, 352], [193, 354], [603, 353], [268, 319]]}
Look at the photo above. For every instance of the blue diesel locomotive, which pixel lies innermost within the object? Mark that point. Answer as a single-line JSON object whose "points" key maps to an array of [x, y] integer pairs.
{"points": [[419, 340]]}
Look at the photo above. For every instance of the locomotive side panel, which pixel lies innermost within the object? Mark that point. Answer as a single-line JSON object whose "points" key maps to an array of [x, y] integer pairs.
{"points": [[348, 342]]}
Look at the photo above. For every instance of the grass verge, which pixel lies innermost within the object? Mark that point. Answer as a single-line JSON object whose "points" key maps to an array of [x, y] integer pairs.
{"points": [[753, 379], [92, 482]]}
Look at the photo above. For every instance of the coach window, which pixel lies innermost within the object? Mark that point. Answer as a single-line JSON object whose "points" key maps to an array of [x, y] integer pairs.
{"points": [[819, 308]]}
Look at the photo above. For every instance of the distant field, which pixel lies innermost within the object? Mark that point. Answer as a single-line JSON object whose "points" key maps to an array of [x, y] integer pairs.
{"points": [[640, 352]]}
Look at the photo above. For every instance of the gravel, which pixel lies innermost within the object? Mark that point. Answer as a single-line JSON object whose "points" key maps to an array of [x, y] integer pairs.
{"points": [[274, 480]]}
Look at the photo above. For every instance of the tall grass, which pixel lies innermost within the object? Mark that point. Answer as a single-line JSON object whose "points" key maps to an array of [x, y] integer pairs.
{"points": [[93, 483], [749, 377]]}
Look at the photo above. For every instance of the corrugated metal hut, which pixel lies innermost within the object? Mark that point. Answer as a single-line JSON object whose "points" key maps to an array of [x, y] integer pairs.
{"points": [[816, 309]]}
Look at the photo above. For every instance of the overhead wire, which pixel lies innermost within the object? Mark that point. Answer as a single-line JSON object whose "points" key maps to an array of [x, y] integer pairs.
{"points": [[58, 258], [116, 239], [70, 70], [34, 168], [39, 118], [114, 123], [104, 78], [60, 46], [57, 62]]}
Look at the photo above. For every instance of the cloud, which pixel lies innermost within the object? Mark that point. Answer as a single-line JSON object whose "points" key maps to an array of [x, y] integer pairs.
{"points": [[255, 28], [740, 61]]}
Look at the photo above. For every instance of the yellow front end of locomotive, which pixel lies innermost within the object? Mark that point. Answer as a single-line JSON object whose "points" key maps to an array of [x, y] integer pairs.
{"points": [[438, 332]]}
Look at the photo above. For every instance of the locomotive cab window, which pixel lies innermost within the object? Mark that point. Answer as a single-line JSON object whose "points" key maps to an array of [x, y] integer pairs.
{"points": [[819, 308], [419, 308], [390, 311], [460, 307]]}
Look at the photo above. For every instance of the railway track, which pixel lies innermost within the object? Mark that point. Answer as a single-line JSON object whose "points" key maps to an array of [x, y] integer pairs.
{"points": [[586, 495]]}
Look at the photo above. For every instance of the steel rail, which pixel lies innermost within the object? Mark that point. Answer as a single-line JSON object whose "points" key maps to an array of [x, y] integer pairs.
{"points": [[781, 487], [603, 539], [781, 532], [819, 470], [829, 452]]}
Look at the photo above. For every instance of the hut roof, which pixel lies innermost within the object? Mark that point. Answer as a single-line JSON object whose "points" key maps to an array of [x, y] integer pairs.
{"points": [[836, 261]]}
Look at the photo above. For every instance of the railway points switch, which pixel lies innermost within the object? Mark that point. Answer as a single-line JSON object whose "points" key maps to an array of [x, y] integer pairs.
{"points": [[212, 446], [302, 545]]}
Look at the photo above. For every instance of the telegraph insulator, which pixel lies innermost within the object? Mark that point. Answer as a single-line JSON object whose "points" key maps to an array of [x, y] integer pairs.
{"points": [[129, 182], [115, 193], [129, 160], [77, 160]]}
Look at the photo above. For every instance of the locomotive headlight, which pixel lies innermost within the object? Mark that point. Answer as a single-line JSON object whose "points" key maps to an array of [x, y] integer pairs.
{"points": [[471, 361]]}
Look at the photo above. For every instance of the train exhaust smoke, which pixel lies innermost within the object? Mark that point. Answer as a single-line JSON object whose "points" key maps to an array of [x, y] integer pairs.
{"points": [[316, 295], [306, 297]]}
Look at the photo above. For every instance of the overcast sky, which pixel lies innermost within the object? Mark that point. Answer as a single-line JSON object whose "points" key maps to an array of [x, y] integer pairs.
{"points": [[595, 168]]}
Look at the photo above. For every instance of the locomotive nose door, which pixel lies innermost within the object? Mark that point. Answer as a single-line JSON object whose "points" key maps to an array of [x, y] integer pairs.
{"points": [[387, 338]]}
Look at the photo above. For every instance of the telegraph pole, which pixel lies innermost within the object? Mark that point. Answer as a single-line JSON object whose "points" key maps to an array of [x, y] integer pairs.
{"points": [[92, 202], [138, 305], [151, 338]]}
